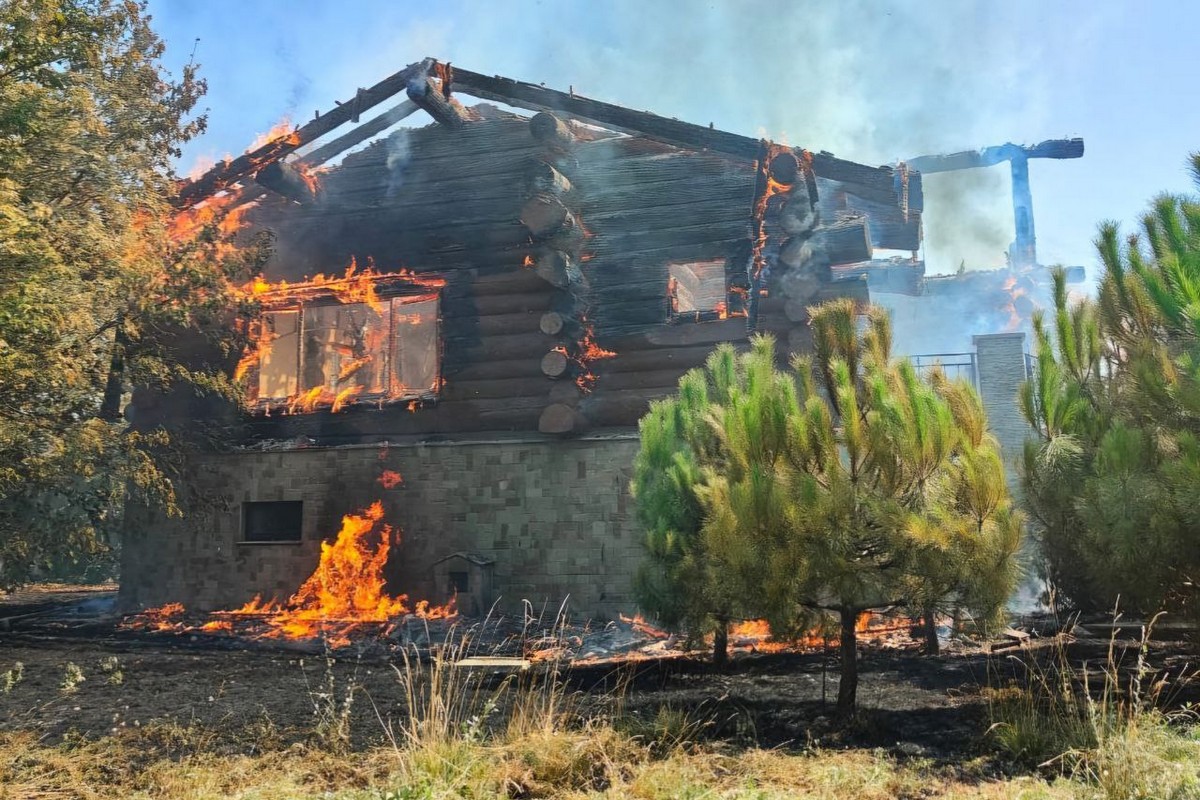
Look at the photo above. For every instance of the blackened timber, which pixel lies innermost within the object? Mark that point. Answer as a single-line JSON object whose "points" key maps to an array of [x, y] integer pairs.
{"points": [[663, 129], [430, 98], [226, 173], [550, 130], [559, 418], [360, 134], [845, 241], [287, 181]]}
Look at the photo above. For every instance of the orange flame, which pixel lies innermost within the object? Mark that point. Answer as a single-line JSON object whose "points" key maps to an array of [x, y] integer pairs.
{"points": [[639, 624], [280, 133], [346, 589], [390, 479]]}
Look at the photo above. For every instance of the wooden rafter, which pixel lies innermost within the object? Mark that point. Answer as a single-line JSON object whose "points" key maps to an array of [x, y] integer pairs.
{"points": [[226, 173]]}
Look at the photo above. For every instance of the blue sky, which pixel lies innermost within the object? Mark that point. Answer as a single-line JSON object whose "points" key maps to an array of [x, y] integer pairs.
{"points": [[870, 81]]}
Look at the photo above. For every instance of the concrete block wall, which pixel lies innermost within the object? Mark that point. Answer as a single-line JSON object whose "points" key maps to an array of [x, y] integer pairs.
{"points": [[555, 515], [1000, 367]]}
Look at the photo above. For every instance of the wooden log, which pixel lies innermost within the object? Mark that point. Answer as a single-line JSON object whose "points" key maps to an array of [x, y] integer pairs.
{"points": [[518, 345], [551, 323], [688, 333], [551, 131], [543, 178], [785, 168], [498, 369], [667, 379], [498, 388], [489, 324], [487, 305], [845, 241], [545, 215], [566, 392], [556, 268], [286, 180], [559, 418], [651, 359], [429, 97], [873, 180], [555, 364]]}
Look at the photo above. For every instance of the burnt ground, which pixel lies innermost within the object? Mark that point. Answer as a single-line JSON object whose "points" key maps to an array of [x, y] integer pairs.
{"points": [[915, 705]]}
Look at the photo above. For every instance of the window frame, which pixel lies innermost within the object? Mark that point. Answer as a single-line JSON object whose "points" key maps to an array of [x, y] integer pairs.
{"points": [[721, 312], [393, 300], [245, 515]]}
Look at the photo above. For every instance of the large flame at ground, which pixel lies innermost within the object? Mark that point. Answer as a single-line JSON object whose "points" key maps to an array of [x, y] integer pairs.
{"points": [[347, 588], [345, 593]]}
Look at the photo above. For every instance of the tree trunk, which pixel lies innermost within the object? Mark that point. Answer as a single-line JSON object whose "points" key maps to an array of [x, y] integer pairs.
{"points": [[848, 686], [929, 628], [110, 405], [721, 644]]}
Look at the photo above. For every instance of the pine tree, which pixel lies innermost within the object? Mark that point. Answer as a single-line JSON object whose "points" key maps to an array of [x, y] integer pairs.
{"points": [[1111, 483], [843, 485]]}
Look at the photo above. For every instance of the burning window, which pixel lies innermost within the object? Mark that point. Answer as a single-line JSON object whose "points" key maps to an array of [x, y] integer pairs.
{"points": [[697, 288], [272, 521], [323, 352]]}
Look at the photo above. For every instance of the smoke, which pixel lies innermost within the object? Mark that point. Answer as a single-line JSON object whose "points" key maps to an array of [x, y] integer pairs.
{"points": [[968, 222]]}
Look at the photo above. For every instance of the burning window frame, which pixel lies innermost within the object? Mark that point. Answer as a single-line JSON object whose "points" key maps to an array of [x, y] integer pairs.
{"points": [[384, 294], [722, 308]]}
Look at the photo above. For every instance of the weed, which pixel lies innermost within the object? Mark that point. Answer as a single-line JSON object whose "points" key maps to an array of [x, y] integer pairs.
{"points": [[112, 666], [332, 707], [72, 677], [1108, 732], [11, 677]]}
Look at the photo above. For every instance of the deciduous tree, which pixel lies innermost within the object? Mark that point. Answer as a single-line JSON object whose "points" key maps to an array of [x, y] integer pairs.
{"points": [[90, 277]]}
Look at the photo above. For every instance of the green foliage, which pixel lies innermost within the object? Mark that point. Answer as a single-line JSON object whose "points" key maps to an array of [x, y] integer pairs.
{"points": [[91, 283], [845, 484], [1115, 398]]}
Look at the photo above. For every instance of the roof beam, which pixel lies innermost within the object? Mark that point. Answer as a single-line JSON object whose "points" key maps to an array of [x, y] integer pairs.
{"points": [[225, 173], [878, 180], [360, 134]]}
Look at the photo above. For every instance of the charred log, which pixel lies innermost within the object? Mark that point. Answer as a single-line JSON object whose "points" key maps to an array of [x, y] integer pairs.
{"points": [[542, 178], [284, 179], [846, 241], [559, 418], [555, 363], [431, 99], [551, 131]]}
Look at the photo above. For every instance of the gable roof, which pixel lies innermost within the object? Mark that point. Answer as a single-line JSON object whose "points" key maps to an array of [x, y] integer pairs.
{"points": [[884, 184]]}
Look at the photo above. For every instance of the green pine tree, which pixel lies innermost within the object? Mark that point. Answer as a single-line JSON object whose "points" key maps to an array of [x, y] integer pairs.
{"points": [[844, 485], [1111, 482]]}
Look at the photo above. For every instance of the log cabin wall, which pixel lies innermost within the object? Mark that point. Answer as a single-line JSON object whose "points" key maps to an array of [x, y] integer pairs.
{"points": [[463, 203]]}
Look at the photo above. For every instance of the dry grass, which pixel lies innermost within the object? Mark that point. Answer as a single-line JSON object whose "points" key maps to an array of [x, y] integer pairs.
{"points": [[595, 762], [462, 734]]}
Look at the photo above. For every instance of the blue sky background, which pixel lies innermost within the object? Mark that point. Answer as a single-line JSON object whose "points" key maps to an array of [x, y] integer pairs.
{"points": [[869, 81]]}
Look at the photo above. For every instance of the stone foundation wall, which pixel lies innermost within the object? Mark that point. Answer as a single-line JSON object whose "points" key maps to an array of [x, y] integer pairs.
{"points": [[554, 516]]}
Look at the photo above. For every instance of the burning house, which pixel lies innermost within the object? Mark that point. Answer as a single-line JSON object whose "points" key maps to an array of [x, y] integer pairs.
{"points": [[462, 323]]}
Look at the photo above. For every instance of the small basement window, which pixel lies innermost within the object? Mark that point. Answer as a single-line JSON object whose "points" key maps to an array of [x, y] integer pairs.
{"points": [[271, 522], [697, 288]]}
